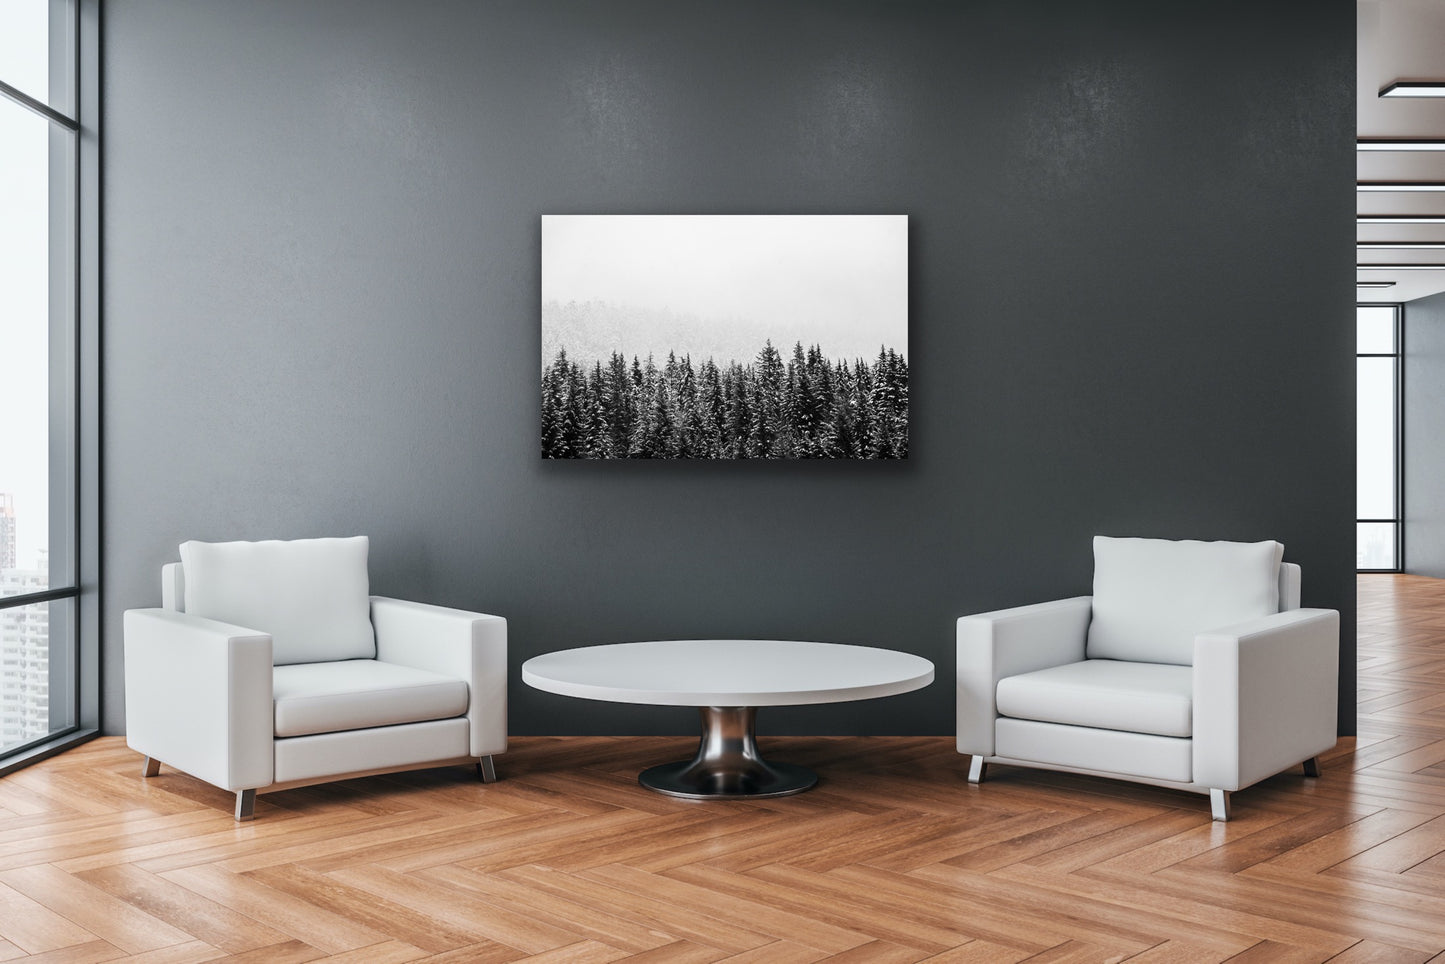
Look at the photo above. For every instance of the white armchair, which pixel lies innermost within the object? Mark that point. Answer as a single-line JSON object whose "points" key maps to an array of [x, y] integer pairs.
{"points": [[270, 666], [1191, 666]]}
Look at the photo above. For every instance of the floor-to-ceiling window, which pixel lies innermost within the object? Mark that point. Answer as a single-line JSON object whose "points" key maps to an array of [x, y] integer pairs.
{"points": [[48, 375], [1377, 369]]}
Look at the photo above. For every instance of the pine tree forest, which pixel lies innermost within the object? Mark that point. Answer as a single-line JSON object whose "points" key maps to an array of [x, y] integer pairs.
{"points": [[805, 408]]}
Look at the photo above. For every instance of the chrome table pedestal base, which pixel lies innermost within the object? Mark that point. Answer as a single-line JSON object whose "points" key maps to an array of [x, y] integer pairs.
{"points": [[728, 765]]}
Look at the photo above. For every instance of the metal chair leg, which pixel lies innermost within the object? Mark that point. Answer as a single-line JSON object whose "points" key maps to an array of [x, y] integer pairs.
{"points": [[1312, 767], [1219, 804], [152, 767], [245, 805], [486, 770], [977, 769]]}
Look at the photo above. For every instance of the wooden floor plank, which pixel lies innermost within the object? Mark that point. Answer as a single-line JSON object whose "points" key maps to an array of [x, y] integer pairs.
{"points": [[1373, 952], [1022, 914], [1406, 849], [427, 931], [894, 857], [498, 924], [582, 952], [290, 952], [302, 920], [679, 952], [778, 952], [668, 918], [768, 917], [191, 952], [91, 952], [1181, 952], [801, 891], [979, 952], [389, 952], [35, 928], [1272, 952], [508, 894], [203, 919]]}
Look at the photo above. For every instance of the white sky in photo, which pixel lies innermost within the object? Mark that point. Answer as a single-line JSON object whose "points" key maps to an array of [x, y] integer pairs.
{"points": [[24, 277], [784, 277]]}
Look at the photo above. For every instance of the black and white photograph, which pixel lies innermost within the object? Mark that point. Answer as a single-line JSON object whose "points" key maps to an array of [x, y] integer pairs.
{"points": [[724, 337]]}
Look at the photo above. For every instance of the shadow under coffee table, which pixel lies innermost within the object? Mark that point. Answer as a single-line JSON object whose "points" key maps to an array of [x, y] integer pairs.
{"points": [[727, 680]]}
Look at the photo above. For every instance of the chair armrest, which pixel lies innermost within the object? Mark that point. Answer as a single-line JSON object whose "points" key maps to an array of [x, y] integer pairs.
{"points": [[1008, 642], [1265, 695], [198, 697], [451, 642]]}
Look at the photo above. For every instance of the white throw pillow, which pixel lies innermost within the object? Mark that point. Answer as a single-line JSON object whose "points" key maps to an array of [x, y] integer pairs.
{"points": [[311, 595], [1153, 596]]}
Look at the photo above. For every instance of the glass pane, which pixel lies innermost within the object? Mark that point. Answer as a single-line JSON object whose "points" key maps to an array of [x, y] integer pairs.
{"points": [[1375, 545], [1375, 325], [25, 257], [35, 50], [34, 664], [1375, 441], [63, 412]]}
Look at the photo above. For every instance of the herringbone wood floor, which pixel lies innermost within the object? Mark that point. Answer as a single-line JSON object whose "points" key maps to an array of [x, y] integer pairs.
{"points": [[893, 858]]}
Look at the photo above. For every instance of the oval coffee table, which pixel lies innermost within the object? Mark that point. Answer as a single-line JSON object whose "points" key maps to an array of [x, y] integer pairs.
{"points": [[727, 680]]}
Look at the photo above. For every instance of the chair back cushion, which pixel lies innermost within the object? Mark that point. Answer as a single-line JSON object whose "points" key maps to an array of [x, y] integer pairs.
{"points": [[1289, 586], [311, 595], [1153, 596]]}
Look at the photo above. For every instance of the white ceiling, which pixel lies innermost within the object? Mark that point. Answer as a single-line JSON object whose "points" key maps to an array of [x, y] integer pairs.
{"points": [[1400, 40]]}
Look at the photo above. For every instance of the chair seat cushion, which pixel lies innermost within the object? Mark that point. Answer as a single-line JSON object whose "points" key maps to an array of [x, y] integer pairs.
{"points": [[1109, 694], [357, 693]]}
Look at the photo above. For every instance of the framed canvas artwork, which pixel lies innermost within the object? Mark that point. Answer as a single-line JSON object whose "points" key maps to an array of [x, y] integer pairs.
{"points": [[724, 336]]}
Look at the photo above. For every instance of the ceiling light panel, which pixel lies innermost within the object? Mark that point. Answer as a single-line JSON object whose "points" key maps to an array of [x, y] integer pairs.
{"points": [[1423, 245], [1400, 186], [1400, 267], [1415, 88], [1399, 144]]}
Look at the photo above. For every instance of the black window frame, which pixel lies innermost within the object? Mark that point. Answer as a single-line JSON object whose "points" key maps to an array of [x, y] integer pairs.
{"points": [[82, 372]]}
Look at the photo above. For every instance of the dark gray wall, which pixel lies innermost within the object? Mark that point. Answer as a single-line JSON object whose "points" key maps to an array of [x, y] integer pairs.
{"points": [[1132, 247], [1424, 435]]}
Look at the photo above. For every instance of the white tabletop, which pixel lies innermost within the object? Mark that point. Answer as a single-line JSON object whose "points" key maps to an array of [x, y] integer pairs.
{"points": [[727, 672]]}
